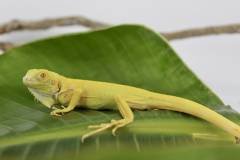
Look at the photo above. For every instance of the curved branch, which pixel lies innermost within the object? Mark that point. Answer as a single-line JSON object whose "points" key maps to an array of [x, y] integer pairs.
{"points": [[17, 25], [196, 32]]}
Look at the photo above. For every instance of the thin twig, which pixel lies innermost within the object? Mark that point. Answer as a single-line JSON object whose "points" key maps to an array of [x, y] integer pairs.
{"points": [[196, 32], [6, 45], [17, 25]]}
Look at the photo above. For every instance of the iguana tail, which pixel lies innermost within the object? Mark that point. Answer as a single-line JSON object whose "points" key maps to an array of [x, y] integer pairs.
{"points": [[162, 101]]}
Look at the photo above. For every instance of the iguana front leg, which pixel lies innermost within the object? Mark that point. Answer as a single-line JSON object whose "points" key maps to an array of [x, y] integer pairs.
{"points": [[71, 96], [126, 113]]}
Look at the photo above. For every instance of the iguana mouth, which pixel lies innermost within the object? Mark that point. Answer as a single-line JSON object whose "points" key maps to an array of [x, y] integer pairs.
{"points": [[37, 87], [28, 82]]}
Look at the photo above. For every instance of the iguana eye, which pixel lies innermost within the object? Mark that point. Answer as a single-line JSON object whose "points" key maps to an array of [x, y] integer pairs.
{"points": [[42, 75]]}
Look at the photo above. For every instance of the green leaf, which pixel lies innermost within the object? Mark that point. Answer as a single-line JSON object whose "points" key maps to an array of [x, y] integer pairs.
{"points": [[128, 54]]}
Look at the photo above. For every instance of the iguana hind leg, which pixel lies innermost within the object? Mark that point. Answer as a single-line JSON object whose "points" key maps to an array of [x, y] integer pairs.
{"points": [[126, 113]]}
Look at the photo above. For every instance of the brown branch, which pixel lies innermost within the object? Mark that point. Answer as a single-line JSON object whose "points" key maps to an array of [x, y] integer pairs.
{"points": [[5, 46], [196, 32], [17, 25]]}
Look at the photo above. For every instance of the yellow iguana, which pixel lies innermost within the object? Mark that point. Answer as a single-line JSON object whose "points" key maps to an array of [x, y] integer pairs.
{"points": [[51, 88]]}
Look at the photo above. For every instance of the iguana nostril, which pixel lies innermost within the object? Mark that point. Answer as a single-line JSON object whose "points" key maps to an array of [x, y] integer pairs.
{"points": [[25, 79]]}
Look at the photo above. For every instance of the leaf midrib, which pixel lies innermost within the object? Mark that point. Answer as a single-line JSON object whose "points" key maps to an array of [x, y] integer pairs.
{"points": [[138, 127]]}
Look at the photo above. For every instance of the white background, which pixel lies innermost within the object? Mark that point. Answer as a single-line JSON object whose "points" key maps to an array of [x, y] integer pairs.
{"points": [[215, 59]]}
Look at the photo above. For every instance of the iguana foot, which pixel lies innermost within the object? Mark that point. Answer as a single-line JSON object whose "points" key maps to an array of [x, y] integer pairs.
{"points": [[57, 112], [115, 124]]}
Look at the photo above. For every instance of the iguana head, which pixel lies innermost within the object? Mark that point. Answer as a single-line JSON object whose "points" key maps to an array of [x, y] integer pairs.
{"points": [[43, 84]]}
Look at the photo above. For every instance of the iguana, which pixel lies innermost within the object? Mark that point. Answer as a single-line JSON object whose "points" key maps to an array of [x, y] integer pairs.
{"points": [[51, 88]]}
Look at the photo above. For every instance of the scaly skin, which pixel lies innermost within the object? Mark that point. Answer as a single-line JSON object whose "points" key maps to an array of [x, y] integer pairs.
{"points": [[53, 89]]}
